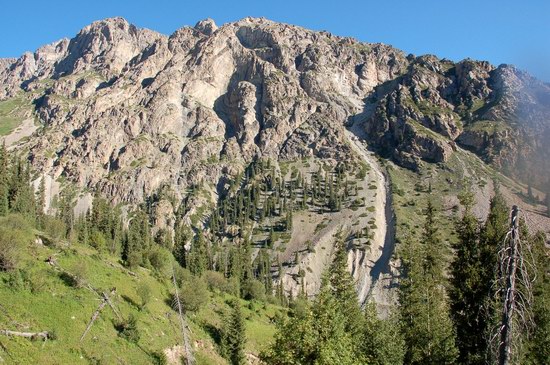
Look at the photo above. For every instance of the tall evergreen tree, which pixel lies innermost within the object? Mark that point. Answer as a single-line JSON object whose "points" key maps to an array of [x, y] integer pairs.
{"points": [[343, 288], [41, 202], [198, 255], [4, 180], [427, 327], [138, 239], [537, 350], [468, 293], [234, 339], [382, 341], [314, 335], [493, 234]]}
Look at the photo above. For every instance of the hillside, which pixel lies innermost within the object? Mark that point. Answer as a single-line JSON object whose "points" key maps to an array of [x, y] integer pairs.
{"points": [[42, 295], [246, 154]]}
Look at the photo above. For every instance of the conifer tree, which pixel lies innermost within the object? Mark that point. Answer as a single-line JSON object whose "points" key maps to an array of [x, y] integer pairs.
{"points": [[234, 339], [343, 289], [468, 293], [182, 236], [138, 239], [425, 320], [41, 202], [493, 234], [4, 180], [314, 335], [382, 341], [537, 349], [198, 255]]}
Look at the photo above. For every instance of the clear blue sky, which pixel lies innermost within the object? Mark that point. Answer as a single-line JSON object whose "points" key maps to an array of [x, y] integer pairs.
{"points": [[500, 31]]}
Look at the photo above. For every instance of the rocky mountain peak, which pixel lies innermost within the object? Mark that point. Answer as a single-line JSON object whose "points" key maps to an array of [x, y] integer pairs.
{"points": [[206, 26], [105, 45], [117, 94]]}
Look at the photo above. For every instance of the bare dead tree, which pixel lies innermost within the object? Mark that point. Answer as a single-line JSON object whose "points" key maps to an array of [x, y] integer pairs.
{"points": [[514, 294], [31, 335], [189, 359], [105, 301]]}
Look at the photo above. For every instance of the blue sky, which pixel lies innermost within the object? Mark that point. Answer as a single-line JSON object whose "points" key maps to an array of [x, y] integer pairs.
{"points": [[503, 31]]}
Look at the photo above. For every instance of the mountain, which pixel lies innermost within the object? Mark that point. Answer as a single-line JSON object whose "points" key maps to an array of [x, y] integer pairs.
{"points": [[177, 121]]}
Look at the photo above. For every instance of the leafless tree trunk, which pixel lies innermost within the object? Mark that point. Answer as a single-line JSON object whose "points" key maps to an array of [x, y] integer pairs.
{"points": [[32, 335], [104, 302], [188, 353]]}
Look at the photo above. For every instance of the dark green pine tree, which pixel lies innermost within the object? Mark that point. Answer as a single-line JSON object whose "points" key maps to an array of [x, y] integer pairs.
{"points": [[537, 349], [468, 293], [182, 236], [21, 193], [425, 320], [198, 255], [234, 339], [343, 289], [4, 180], [41, 203], [382, 341], [493, 234], [138, 240], [314, 335], [65, 210]]}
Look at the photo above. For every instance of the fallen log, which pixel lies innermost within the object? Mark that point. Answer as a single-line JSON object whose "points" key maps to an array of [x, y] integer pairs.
{"points": [[32, 335]]}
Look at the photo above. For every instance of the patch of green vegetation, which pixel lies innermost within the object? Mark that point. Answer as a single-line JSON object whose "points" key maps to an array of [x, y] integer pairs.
{"points": [[487, 126], [39, 297], [12, 113]]}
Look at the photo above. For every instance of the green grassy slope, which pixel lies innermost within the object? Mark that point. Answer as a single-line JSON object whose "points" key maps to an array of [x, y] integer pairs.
{"points": [[38, 297]]}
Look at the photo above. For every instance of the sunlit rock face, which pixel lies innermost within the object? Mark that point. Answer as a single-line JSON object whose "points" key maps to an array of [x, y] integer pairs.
{"points": [[126, 110]]}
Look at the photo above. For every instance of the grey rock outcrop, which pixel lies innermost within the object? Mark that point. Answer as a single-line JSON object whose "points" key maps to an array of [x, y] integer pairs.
{"points": [[127, 110]]}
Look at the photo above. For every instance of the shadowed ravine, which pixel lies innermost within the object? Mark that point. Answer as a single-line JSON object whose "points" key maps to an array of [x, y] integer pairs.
{"points": [[382, 265]]}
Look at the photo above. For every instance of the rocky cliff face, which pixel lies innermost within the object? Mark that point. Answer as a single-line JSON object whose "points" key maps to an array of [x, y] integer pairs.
{"points": [[126, 110]]}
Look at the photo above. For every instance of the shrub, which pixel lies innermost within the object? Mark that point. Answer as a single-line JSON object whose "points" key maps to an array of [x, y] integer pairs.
{"points": [[160, 258], [128, 330], [159, 358], [144, 293], [80, 273], [254, 290], [134, 259], [15, 234], [54, 228], [193, 294], [98, 241], [218, 283]]}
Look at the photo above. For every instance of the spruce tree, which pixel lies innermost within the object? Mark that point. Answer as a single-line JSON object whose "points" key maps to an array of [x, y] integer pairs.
{"points": [[41, 202], [198, 255], [234, 338], [468, 293], [138, 240], [493, 234], [314, 335], [425, 321], [181, 238], [4, 180], [537, 349], [343, 289], [382, 341]]}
